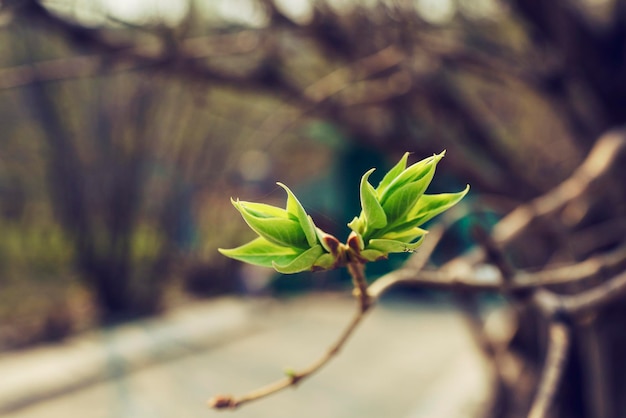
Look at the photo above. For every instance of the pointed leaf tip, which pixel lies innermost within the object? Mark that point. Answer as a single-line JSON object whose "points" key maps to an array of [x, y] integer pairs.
{"points": [[429, 206], [295, 208], [374, 214], [393, 173]]}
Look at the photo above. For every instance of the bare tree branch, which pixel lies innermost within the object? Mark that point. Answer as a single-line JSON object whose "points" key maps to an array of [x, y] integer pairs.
{"points": [[293, 378], [415, 264], [598, 164], [459, 276], [555, 305], [558, 345]]}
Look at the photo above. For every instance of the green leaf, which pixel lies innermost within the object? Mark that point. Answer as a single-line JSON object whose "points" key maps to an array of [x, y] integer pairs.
{"points": [[260, 210], [429, 206], [357, 225], [392, 246], [405, 235], [413, 173], [392, 174], [281, 231], [302, 262], [295, 208], [325, 262], [403, 200], [261, 252], [372, 255], [374, 214], [391, 213]]}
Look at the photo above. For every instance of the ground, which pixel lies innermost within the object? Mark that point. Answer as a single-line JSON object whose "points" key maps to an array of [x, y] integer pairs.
{"points": [[407, 360]]}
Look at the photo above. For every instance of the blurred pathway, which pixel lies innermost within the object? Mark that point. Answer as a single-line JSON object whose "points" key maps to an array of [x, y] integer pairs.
{"points": [[404, 362]]}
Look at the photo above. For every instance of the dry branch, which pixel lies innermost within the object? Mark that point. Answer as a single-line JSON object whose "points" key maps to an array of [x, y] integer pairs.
{"points": [[593, 171], [292, 378], [558, 345]]}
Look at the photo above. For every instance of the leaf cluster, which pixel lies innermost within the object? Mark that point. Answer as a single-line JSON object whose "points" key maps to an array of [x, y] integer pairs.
{"points": [[389, 222]]}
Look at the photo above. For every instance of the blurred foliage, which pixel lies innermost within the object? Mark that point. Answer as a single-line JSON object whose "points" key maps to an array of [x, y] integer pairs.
{"points": [[122, 179], [42, 249], [123, 136]]}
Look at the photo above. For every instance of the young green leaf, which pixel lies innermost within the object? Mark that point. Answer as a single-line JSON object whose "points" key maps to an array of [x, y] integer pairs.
{"points": [[295, 208], [302, 262], [375, 217], [372, 255], [281, 231], [357, 225], [404, 199], [430, 206], [290, 242], [261, 252], [411, 174], [325, 262], [392, 246], [392, 174], [408, 234], [260, 210]]}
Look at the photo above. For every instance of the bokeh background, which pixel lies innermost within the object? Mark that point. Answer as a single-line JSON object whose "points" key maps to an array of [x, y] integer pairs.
{"points": [[126, 126]]}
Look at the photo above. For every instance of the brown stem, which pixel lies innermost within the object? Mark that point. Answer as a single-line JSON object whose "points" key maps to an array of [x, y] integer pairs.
{"points": [[227, 401], [553, 304], [357, 272], [552, 371]]}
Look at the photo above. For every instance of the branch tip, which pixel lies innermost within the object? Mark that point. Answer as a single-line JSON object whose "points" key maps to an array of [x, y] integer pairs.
{"points": [[222, 402]]}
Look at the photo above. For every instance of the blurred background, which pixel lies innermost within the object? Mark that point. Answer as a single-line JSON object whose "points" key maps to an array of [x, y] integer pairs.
{"points": [[126, 126]]}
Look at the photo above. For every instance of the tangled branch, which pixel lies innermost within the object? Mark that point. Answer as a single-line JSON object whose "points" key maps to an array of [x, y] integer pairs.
{"points": [[537, 289]]}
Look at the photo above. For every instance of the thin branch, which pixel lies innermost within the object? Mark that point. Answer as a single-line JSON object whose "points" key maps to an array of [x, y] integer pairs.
{"points": [[325, 88], [558, 346], [598, 164], [495, 255], [227, 401], [606, 263], [438, 279], [555, 305], [357, 271], [598, 296], [181, 57], [366, 297], [600, 235], [186, 60], [413, 265], [358, 70], [462, 277]]}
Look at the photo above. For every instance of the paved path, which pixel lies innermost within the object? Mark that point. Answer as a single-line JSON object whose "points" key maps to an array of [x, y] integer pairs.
{"points": [[404, 362]]}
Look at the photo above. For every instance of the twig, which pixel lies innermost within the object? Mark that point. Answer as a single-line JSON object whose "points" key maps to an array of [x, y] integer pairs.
{"points": [[412, 266], [558, 345], [590, 268], [366, 297], [361, 69], [522, 281], [293, 378], [555, 305], [495, 255], [285, 116], [357, 271], [601, 159], [601, 235]]}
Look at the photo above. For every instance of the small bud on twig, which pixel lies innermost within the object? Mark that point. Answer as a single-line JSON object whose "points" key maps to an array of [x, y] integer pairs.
{"points": [[222, 402]]}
